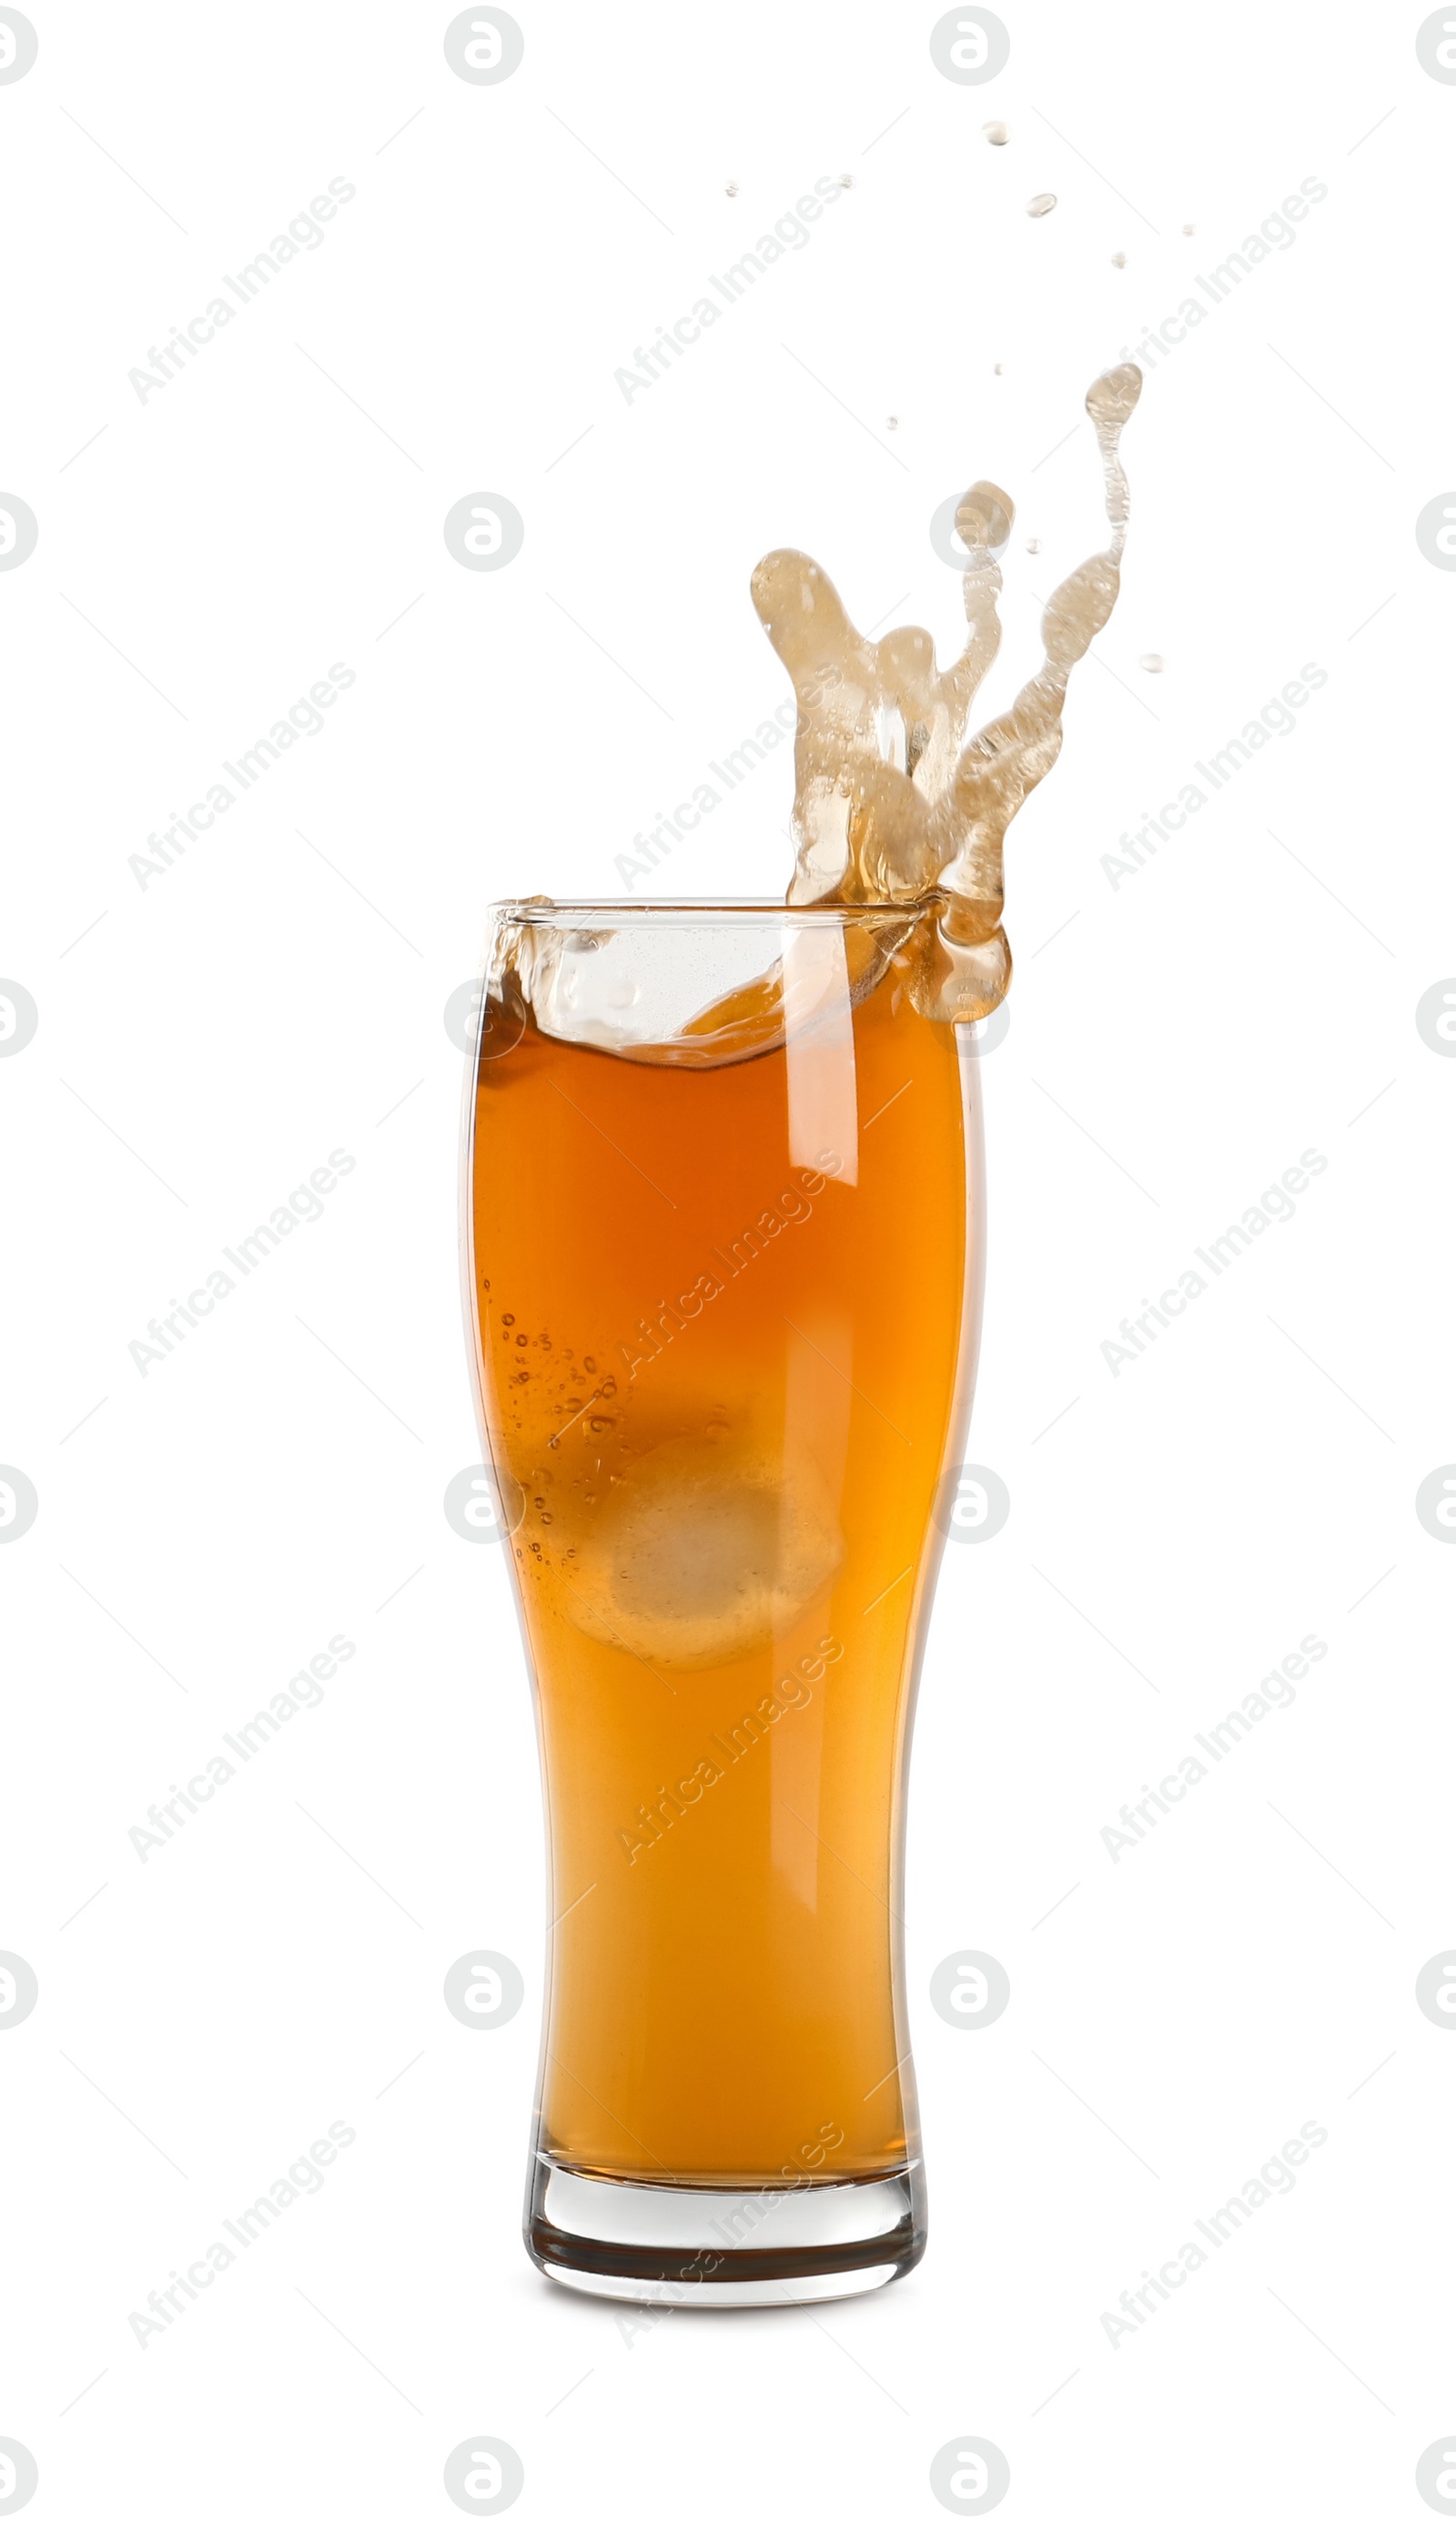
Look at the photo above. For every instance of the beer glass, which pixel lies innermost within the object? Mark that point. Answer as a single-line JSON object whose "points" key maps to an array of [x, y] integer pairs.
{"points": [[723, 1236]]}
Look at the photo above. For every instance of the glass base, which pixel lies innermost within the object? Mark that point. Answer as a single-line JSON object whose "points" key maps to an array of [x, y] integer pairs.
{"points": [[699, 2245]]}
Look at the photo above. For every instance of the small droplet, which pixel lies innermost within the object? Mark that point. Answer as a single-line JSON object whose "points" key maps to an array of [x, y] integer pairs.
{"points": [[1190, 230], [892, 422], [1121, 262], [847, 183], [1033, 544], [732, 191], [1040, 204], [1152, 664], [998, 133], [997, 372]]}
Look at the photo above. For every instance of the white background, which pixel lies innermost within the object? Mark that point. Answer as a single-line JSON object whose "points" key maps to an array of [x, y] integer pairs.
{"points": [[1177, 1040]]}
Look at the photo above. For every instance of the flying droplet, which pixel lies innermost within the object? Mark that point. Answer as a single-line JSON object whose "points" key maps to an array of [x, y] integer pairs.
{"points": [[731, 190], [1033, 544], [1040, 204], [998, 133], [1121, 260], [1190, 230], [1152, 664], [893, 420], [847, 183], [997, 372]]}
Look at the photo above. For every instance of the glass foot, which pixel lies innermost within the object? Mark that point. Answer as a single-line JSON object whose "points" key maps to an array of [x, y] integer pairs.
{"points": [[701, 2245]]}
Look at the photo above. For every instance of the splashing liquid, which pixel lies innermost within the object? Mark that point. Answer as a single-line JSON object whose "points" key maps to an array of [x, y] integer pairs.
{"points": [[894, 808], [893, 804]]}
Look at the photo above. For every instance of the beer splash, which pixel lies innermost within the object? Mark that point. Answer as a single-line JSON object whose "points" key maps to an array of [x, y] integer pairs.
{"points": [[896, 814], [892, 803]]}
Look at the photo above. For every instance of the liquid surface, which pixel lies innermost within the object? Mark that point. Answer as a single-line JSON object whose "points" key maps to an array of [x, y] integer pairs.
{"points": [[721, 1377]]}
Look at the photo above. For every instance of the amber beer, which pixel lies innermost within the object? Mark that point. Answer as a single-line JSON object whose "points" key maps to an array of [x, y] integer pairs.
{"points": [[723, 1372]]}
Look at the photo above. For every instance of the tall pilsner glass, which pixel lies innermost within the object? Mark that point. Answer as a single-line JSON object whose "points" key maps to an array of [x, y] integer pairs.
{"points": [[724, 1231]]}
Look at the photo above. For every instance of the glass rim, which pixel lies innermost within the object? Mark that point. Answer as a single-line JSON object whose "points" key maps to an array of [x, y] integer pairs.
{"points": [[627, 907]]}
